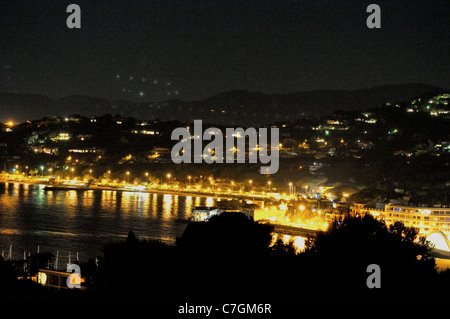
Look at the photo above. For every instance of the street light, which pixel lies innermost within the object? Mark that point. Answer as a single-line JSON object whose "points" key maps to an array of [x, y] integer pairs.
{"points": [[168, 177], [128, 177], [72, 170], [189, 178], [42, 170]]}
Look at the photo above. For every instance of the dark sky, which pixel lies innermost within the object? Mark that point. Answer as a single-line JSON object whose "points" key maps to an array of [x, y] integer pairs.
{"points": [[156, 50]]}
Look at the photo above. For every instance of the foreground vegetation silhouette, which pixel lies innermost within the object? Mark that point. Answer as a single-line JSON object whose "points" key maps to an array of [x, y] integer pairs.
{"points": [[231, 256]]}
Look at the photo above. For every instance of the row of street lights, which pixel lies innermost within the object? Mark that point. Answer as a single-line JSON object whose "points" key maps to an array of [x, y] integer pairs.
{"points": [[292, 187]]}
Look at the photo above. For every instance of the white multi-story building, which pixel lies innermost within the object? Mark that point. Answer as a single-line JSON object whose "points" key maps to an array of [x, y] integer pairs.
{"points": [[425, 219], [433, 223]]}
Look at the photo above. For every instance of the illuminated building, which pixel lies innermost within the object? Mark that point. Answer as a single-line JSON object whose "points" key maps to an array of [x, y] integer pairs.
{"points": [[89, 150], [45, 150], [203, 213], [145, 132], [53, 278], [435, 105], [425, 219], [433, 223], [61, 137]]}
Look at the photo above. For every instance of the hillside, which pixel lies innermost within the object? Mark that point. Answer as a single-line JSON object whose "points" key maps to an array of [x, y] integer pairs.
{"points": [[238, 107]]}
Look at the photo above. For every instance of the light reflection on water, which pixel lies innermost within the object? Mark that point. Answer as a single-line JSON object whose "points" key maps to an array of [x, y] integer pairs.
{"points": [[210, 201], [83, 221], [188, 206], [167, 206]]}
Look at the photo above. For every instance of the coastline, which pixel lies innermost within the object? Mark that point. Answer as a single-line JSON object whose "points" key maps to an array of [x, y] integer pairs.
{"points": [[64, 187]]}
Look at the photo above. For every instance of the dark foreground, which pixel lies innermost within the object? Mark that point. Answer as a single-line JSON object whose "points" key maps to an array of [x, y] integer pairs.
{"points": [[231, 256]]}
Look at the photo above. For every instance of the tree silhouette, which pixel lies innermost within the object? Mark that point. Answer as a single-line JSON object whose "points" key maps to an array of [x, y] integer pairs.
{"points": [[341, 255], [224, 236], [8, 277], [230, 256], [282, 249], [225, 256], [135, 268]]}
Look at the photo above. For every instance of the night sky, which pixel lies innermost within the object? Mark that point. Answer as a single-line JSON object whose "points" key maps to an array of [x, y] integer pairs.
{"points": [[159, 50]]}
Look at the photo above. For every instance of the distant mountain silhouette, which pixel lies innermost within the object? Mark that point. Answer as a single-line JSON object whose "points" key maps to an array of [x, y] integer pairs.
{"points": [[238, 107]]}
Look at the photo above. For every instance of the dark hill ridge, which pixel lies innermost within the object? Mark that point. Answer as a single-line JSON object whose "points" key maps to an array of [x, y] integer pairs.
{"points": [[238, 107]]}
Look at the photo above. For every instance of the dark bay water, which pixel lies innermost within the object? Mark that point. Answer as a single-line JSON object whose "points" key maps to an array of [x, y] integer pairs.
{"points": [[83, 221]]}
